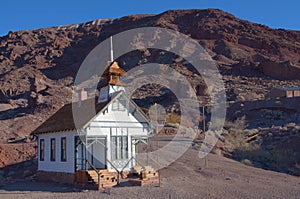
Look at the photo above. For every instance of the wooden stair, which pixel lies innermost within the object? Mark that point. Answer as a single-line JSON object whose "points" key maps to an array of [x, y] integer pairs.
{"points": [[146, 177], [139, 177], [107, 179]]}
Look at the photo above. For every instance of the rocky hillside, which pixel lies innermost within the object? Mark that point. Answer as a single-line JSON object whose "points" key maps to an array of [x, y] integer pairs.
{"points": [[37, 67]]}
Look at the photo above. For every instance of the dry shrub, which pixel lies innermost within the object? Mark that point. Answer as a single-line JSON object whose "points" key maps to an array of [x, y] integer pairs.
{"points": [[172, 118]]}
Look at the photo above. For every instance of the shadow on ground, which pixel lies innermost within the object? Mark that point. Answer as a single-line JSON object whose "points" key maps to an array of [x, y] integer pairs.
{"points": [[27, 185], [20, 177]]}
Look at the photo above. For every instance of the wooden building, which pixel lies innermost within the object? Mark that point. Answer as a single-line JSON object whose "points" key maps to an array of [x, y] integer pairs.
{"points": [[106, 141], [286, 92]]}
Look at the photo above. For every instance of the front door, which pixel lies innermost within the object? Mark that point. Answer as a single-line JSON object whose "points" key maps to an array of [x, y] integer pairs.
{"points": [[96, 152], [119, 151]]}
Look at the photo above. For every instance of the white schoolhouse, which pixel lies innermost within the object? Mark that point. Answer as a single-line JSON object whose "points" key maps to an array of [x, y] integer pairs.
{"points": [[106, 140]]}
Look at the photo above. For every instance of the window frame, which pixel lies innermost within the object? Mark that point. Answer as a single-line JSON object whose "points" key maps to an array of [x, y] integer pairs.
{"points": [[42, 150], [119, 147], [122, 104], [117, 104], [63, 149], [52, 149]]}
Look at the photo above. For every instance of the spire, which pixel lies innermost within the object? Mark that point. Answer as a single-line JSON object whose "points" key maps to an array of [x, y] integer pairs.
{"points": [[113, 72], [111, 78], [111, 50]]}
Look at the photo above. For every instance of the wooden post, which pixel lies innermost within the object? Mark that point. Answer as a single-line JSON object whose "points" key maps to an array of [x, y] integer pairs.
{"points": [[115, 169], [159, 178], [147, 150], [98, 178], [156, 129], [203, 112]]}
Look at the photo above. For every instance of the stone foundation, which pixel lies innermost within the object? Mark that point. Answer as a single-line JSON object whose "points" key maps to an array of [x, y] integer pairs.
{"points": [[61, 177]]}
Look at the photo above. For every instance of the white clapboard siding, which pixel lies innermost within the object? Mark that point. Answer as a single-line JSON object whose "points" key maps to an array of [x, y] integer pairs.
{"points": [[107, 123], [117, 123], [58, 165]]}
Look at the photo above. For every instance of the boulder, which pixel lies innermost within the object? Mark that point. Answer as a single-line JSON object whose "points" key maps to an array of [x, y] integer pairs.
{"points": [[281, 70]]}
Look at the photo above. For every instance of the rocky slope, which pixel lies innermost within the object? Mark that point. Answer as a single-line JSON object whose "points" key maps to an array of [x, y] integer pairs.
{"points": [[37, 67]]}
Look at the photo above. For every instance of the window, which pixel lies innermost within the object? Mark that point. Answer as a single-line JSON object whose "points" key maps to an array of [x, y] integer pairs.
{"points": [[122, 104], [119, 147], [52, 150], [115, 105], [63, 154], [42, 149], [119, 104]]}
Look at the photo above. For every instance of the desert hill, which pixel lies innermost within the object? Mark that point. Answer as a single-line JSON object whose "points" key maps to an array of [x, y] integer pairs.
{"points": [[38, 67]]}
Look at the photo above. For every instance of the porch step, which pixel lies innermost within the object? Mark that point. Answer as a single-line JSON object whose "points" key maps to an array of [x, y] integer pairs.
{"points": [[102, 171], [107, 179], [148, 176], [144, 182]]}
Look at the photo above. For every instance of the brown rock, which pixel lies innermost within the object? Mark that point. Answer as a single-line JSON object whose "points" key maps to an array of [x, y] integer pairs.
{"points": [[282, 70]]}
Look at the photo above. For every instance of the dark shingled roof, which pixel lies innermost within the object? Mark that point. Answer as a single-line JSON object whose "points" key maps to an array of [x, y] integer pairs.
{"points": [[63, 119]]}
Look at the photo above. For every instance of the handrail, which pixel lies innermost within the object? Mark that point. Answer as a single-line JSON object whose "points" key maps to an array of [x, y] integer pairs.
{"points": [[137, 161], [94, 168], [132, 158], [126, 164], [112, 165], [115, 169]]}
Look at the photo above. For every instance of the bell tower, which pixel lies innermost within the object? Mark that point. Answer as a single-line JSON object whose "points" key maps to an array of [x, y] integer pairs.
{"points": [[111, 82]]}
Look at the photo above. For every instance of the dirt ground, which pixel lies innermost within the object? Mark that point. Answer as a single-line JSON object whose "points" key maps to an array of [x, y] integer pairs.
{"points": [[188, 177]]}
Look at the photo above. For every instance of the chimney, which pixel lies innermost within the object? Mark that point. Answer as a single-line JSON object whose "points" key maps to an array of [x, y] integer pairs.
{"points": [[82, 95]]}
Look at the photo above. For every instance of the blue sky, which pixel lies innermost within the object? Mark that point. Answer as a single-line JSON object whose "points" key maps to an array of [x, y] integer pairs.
{"points": [[31, 14]]}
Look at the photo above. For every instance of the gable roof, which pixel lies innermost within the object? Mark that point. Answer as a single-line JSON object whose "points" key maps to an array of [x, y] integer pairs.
{"points": [[63, 119]]}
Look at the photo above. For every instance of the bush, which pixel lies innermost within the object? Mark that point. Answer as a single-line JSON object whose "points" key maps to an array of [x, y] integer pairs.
{"points": [[172, 118]]}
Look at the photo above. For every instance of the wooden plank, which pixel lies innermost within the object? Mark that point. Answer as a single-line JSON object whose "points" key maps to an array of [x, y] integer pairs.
{"points": [[144, 182], [149, 175], [80, 176]]}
